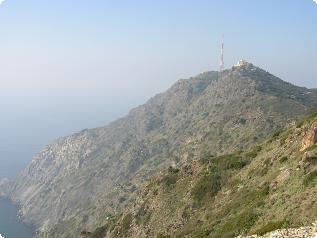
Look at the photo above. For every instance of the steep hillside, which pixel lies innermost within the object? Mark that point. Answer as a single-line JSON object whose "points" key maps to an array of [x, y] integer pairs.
{"points": [[272, 186], [73, 183]]}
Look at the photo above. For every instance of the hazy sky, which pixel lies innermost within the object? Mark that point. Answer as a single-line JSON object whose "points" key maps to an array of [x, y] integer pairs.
{"points": [[68, 65]]}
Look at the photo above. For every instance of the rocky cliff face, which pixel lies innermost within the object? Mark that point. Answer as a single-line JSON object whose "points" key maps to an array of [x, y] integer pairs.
{"points": [[80, 180]]}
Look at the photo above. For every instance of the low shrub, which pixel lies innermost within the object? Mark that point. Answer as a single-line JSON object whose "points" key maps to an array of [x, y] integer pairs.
{"points": [[256, 150], [227, 162], [242, 121], [207, 186], [310, 178], [271, 226], [240, 224], [300, 124], [170, 180], [283, 159], [252, 154]]}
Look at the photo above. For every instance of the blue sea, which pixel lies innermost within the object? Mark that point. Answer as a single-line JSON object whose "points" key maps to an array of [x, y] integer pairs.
{"points": [[10, 224]]}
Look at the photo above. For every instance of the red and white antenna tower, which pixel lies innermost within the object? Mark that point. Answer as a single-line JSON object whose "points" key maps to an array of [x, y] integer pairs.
{"points": [[222, 63]]}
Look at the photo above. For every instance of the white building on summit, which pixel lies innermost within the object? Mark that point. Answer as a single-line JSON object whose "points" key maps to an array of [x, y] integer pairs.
{"points": [[241, 63]]}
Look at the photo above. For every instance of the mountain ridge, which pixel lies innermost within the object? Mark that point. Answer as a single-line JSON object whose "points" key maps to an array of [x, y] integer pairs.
{"points": [[77, 179]]}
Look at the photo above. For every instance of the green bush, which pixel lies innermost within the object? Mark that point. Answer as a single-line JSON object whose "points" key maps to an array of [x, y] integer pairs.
{"points": [[219, 171], [169, 180], [300, 124], [239, 224], [283, 159], [229, 162], [252, 154], [207, 186], [267, 162], [310, 178], [242, 121], [263, 191], [271, 226]]}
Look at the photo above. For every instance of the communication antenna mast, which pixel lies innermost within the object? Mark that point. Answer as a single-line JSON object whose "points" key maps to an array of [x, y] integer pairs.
{"points": [[222, 63]]}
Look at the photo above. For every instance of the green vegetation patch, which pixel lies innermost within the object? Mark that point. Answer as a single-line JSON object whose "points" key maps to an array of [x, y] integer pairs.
{"points": [[206, 187], [310, 179], [283, 159], [228, 162], [219, 170], [299, 124], [171, 178], [271, 226], [239, 224], [253, 153]]}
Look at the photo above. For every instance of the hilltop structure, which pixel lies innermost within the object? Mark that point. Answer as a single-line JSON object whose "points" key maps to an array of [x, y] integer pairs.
{"points": [[241, 63]]}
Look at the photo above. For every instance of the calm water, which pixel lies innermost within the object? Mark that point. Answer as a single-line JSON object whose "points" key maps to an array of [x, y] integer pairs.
{"points": [[10, 225]]}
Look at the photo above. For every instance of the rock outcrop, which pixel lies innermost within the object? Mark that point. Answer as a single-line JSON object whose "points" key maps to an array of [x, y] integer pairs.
{"points": [[310, 138]]}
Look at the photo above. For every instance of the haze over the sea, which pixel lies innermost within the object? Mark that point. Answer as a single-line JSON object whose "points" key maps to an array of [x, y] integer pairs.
{"points": [[70, 65]]}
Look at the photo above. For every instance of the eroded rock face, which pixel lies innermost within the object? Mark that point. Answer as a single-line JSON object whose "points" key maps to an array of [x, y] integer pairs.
{"points": [[310, 138]]}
